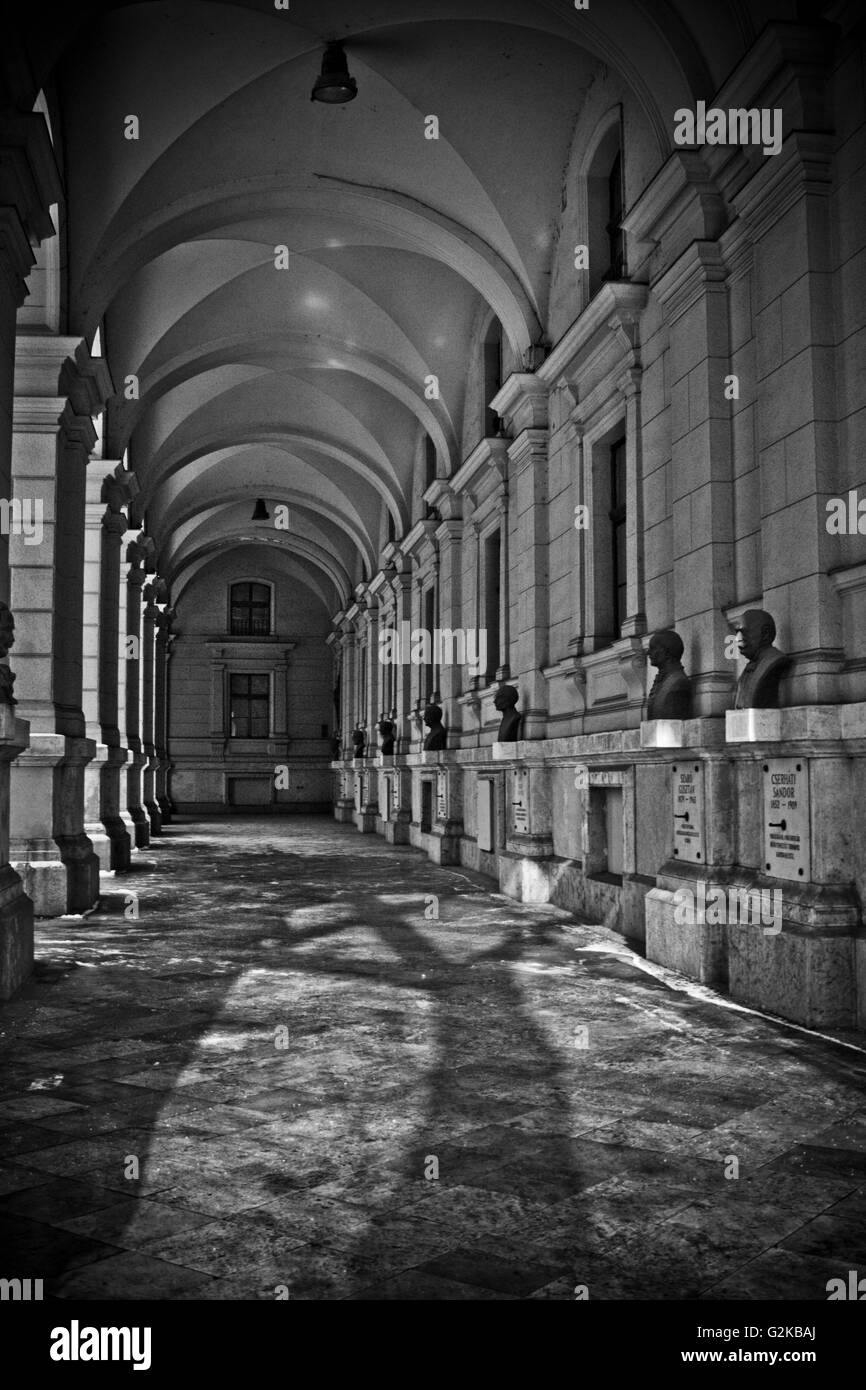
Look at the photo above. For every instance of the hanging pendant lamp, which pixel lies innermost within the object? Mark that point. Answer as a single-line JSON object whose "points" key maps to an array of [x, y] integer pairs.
{"points": [[334, 85]]}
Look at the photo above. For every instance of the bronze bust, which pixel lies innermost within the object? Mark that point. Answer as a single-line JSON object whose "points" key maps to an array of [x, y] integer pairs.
{"points": [[758, 686], [7, 639], [670, 695], [509, 726], [359, 740], [388, 730], [438, 736]]}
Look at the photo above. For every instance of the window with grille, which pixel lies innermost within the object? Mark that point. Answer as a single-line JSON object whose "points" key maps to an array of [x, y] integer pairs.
{"points": [[615, 239], [492, 599], [250, 706], [250, 610], [617, 514]]}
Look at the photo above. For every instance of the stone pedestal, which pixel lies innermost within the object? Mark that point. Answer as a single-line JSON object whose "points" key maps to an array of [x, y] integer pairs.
{"points": [[48, 845], [94, 827], [16, 909]]}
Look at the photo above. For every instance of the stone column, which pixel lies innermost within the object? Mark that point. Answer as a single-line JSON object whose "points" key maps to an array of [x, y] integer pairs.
{"points": [[164, 640], [118, 489], [370, 696], [150, 613], [786, 208], [97, 472], [401, 585], [523, 402], [29, 183], [135, 555], [453, 679], [695, 299], [59, 388]]}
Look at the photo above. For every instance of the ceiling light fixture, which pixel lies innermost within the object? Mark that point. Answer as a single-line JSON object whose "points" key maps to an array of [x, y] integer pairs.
{"points": [[334, 85], [260, 511]]}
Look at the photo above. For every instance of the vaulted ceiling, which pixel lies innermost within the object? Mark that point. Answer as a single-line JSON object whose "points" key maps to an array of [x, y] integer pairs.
{"points": [[306, 385]]}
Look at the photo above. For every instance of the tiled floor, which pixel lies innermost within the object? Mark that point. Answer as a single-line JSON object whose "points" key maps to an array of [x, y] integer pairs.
{"points": [[251, 1087]]}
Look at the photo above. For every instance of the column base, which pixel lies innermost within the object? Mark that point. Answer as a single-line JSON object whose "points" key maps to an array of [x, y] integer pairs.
{"points": [[140, 827], [808, 979], [82, 871], [154, 815], [396, 831], [696, 949], [120, 842], [16, 933], [45, 882]]}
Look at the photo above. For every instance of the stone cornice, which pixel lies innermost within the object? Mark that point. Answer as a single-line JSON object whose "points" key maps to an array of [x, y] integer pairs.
{"points": [[804, 166], [682, 284], [422, 531], [441, 495], [29, 177], [48, 365], [530, 447], [487, 462], [617, 307], [523, 402], [16, 253], [681, 199]]}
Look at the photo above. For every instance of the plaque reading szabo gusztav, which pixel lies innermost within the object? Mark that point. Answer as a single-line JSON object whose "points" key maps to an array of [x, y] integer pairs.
{"points": [[688, 813], [787, 849], [520, 801]]}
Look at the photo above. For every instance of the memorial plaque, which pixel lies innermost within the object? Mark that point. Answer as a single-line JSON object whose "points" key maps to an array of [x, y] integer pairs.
{"points": [[688, 813], [787, 847], [442, 796], [395, 797], [520, 801], [484, 813], [359, 793]]}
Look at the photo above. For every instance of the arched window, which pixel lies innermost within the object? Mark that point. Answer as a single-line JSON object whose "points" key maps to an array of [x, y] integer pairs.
{"points": [[492, 376], [250, 610], [605, 201], [615, 238]]}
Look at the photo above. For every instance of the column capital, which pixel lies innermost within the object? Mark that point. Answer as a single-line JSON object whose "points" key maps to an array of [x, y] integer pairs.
{"points": [[529, 448], [699, 267], [119, 486], [16, 254], [60, 365], [441, 495], [29, 177], [77, 429], [803, 166], [523, 402]]}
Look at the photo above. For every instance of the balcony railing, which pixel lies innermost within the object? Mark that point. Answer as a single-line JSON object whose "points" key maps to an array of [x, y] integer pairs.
{"points": [[251, 627]]}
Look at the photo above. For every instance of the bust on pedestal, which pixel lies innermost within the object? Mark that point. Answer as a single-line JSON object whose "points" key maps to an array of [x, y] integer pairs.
{"points": [[438, 736], [509, 726], [7, 639], [359, 740], [758, 686], [670, 695], [387, 730]]}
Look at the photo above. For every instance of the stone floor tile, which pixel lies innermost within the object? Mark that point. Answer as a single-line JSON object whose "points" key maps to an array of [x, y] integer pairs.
{"points": [[307, 1169]]}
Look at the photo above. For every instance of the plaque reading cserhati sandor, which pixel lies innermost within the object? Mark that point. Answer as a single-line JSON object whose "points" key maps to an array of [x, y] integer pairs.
{"points": [[787, 845], [442, 796], [687, 795]]}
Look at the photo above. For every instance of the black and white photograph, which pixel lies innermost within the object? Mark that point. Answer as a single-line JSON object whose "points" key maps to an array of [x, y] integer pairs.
{"points": [[432, 669]]}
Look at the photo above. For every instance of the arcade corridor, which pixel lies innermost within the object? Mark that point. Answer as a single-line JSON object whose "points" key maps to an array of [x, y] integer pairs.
{"points": [[286, 1031]]}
